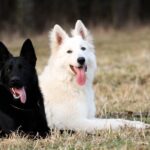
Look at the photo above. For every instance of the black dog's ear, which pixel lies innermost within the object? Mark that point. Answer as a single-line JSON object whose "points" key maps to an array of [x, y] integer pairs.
{"points": [[4, 54], [28, 52]]}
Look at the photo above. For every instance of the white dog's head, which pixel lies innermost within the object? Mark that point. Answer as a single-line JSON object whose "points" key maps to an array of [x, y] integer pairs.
{"points": [[75, 54]]}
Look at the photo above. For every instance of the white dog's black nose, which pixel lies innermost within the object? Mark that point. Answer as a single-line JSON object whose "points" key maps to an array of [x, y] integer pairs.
{"points": [[81, 60]]}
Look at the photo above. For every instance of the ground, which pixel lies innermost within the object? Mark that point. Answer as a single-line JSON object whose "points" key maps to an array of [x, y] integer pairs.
{"points": [[122, 87]]}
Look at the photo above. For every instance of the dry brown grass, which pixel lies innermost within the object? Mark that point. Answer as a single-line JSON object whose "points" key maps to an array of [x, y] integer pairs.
{"points": [[122, 85]]}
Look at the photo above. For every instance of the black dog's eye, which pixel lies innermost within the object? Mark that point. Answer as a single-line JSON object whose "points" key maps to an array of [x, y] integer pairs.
{"points": [[69, 51], [9, 68], [83, 48]]}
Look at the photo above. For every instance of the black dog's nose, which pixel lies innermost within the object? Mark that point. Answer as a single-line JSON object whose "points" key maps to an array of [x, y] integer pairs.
{"points": [[15, 81], [81, 60]]}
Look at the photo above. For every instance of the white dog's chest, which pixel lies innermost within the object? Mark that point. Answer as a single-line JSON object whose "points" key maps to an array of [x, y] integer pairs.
{"points": [[68, 106]]}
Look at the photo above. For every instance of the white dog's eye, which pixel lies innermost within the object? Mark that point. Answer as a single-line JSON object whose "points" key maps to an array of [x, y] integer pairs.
{"points": [[83, 48], [69, 51]]}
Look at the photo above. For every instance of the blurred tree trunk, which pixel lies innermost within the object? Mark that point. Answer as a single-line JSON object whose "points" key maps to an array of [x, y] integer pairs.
{"points": [[24, 15], [7, 13], [120, 12], [101, 12], [37, 15], [144, 14], [125, 12], [134, 11]]}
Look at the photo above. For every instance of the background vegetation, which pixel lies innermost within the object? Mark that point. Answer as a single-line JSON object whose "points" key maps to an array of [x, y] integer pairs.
{"points": [[122, 88], [37, 15], [121, 34]]}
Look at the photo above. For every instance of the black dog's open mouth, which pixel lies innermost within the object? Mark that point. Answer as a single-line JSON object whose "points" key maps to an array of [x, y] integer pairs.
{"points": [[19, 93]]}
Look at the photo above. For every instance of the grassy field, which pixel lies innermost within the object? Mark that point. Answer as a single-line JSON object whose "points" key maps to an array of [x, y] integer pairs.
{"points": [[122, 87]]}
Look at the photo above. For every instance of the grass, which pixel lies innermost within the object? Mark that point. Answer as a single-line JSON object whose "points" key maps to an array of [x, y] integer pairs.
{"points": [[122, 88]]}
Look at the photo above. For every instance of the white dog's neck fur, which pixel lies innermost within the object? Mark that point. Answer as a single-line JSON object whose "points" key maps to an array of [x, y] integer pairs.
{"points": [[69, 105]]}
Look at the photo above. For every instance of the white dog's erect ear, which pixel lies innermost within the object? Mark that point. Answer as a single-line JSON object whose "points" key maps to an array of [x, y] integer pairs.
{"points": [[57, 36], [82, 31]]}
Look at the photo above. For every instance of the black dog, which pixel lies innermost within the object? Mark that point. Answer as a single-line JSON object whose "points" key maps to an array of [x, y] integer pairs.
{"points": [[21, 101]]}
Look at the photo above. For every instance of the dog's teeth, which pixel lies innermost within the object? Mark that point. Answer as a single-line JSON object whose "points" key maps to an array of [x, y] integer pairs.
{"points": [[13, 90], [16, 97]]}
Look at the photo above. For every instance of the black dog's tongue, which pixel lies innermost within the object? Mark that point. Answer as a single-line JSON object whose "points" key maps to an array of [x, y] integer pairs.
{"points": [[19, 93]]}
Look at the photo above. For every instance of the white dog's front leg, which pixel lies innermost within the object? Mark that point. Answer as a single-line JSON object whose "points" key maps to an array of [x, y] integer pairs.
{"points": [[90, 125]]}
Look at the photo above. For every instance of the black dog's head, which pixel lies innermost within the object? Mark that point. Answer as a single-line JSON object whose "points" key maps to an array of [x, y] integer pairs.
{"points": [[18, 73]]}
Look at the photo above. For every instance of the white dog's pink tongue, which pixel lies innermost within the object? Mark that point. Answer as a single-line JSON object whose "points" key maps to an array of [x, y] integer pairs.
{"points": [[80, 75], [19, 93]]}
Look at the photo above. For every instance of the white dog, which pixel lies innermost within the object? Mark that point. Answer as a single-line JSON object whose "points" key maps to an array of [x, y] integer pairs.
{"points": [[67, 83]]}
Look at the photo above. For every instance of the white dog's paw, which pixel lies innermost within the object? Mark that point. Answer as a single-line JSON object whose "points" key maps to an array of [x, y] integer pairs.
{"points": [[121, 123], [136, 124]]}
